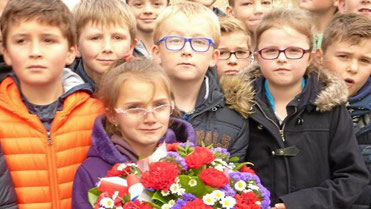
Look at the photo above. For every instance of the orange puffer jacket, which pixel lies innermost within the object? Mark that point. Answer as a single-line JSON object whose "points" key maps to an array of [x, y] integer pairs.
{"points": [[43, 164]]}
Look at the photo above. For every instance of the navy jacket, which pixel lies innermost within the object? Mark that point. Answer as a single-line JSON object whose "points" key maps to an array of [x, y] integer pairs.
{"points": [[103, 154], [312, 159]]}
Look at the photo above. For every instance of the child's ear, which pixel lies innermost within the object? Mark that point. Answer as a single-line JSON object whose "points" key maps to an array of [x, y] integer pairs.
{"points": [[71, 54], [229, 11], [132, 46], [340, 4], [7, 59], [316, 57], [214, 58], [78, 53], [156, 54], [110, 117]]}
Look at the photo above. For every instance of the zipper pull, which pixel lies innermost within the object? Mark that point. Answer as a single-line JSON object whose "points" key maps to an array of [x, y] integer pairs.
{"points": [[282, 136], [49, 139]]}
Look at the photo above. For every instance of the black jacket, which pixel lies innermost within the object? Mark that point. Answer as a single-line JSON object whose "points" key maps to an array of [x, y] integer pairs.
{"points": [[7, 194], [312, 159], [215, 123]]}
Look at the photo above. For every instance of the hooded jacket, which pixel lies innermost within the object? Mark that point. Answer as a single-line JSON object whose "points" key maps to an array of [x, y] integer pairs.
{"points": [[312, 159], [106, 151], [8, 199], [43, 163], [215, 123]]}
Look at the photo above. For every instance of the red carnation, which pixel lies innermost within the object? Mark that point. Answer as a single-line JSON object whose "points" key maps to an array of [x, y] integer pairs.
{"points": [[172, 147], [246, 201], [214, 178], [247, 169], [161, 175], [196, 204], [136, 205], [115, 172], [200, 156]]}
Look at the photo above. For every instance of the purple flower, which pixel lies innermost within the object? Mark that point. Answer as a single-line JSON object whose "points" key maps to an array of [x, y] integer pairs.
{"points": [[179, 204], [185, 144], [220, 150], [265, 203], [188, 197], [179, 160], [228, 190]]}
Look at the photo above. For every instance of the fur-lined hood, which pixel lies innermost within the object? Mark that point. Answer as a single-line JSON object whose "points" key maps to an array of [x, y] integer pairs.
{"points": [[239, 90]]}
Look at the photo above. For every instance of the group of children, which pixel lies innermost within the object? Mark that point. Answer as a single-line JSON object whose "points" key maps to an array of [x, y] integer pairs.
{"points": [[260, 84]]}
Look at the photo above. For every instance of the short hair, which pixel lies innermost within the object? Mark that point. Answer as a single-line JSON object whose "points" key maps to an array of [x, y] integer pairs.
{"points": [[231, 24], [104, 12], [352, 28], [299, 20], [190, 10], [51, 12], [139, 68]]}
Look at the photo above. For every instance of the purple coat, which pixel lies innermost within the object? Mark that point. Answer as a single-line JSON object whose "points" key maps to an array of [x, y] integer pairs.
{"points": [[105, 152]]}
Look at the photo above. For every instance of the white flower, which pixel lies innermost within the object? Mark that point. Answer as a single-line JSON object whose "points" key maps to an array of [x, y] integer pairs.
{"points": [[121, 167], [115, 194], [165, 193], [174, 188], [181, 191], [209, 199], [247, 190], [228, 202], [192, 182], [258, 203], [106, 202], [253, 187], [219, 167], [119, 207], [177, 180], [240, 185], [171, 203], [165, 206], [218, 194]]}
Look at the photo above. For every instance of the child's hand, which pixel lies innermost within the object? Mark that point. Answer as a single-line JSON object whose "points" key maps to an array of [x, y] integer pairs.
{"points": [[279, 206]]}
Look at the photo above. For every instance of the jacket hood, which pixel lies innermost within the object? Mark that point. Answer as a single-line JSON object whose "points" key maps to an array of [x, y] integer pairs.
{"points": [[239, 90], [103, 147]]}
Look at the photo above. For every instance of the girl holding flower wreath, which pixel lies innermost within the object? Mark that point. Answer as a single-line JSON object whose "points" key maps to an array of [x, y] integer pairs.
{"points": [[138, 104]]}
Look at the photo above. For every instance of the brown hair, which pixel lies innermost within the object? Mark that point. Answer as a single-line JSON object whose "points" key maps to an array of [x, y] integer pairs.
{"points": [[51, 12], [190, 10], [299, 20], [104, 12], [111, 82], [231, 24], [351, 28]]}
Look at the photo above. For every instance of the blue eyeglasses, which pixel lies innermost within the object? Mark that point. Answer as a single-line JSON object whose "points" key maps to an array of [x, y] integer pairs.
{"points": [[177, 43]]}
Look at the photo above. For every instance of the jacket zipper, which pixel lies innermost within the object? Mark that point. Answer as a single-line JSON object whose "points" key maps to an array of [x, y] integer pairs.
{"points": [[52, 172]]}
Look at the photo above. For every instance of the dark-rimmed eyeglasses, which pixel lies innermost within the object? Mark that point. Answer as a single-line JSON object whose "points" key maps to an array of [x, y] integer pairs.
{"points": [[292, 53], [177, 43], [239, 54]]}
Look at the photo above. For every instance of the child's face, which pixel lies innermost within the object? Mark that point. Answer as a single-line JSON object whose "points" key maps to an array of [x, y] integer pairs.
{"points": [[316, 5], [138, 129], [361, 7], [146, 13], [185, 64], [352, 62], [37, 52], [236, 42], [251, 12], [101, 46], [283, 72]]}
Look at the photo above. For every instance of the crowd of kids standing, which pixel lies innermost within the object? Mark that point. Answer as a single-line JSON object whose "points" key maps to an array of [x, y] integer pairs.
{"points": [[287, 89]]}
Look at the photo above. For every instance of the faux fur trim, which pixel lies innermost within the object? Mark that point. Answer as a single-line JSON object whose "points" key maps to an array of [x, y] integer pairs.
{"points": [[239, 91]]}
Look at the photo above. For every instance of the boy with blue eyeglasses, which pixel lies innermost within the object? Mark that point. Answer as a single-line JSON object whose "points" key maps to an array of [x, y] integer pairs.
{"points": [[187, 36]]}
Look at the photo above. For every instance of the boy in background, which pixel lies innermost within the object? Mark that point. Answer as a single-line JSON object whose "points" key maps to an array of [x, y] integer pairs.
{"points": [[249, 12], [209, 4], [188, 56], [235, 47], [46, 110], [361, 7], [105, 33], [346, 51], [146, 13]]}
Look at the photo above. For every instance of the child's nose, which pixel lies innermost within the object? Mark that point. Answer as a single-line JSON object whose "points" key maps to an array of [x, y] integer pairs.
{"points": [[187, 49], [353, 66], [258, 7], [232, 59], [148, 8], [107, 45], [35, 49]]}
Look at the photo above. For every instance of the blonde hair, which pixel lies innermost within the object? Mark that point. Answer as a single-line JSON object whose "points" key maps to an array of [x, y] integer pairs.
{"points": [[105, 13], [352, 28], [297, 19], [51, 12], [190, 10], [231, 24], [139, 68]]}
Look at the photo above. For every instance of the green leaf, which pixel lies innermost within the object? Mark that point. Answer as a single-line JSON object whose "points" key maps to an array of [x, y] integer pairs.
{"points": [[234, 159], [199, 190], [239, 165], [93, 195], [157, 196]]}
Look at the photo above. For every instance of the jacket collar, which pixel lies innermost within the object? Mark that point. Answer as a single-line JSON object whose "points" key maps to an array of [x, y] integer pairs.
{"points": [[329, 91]]}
